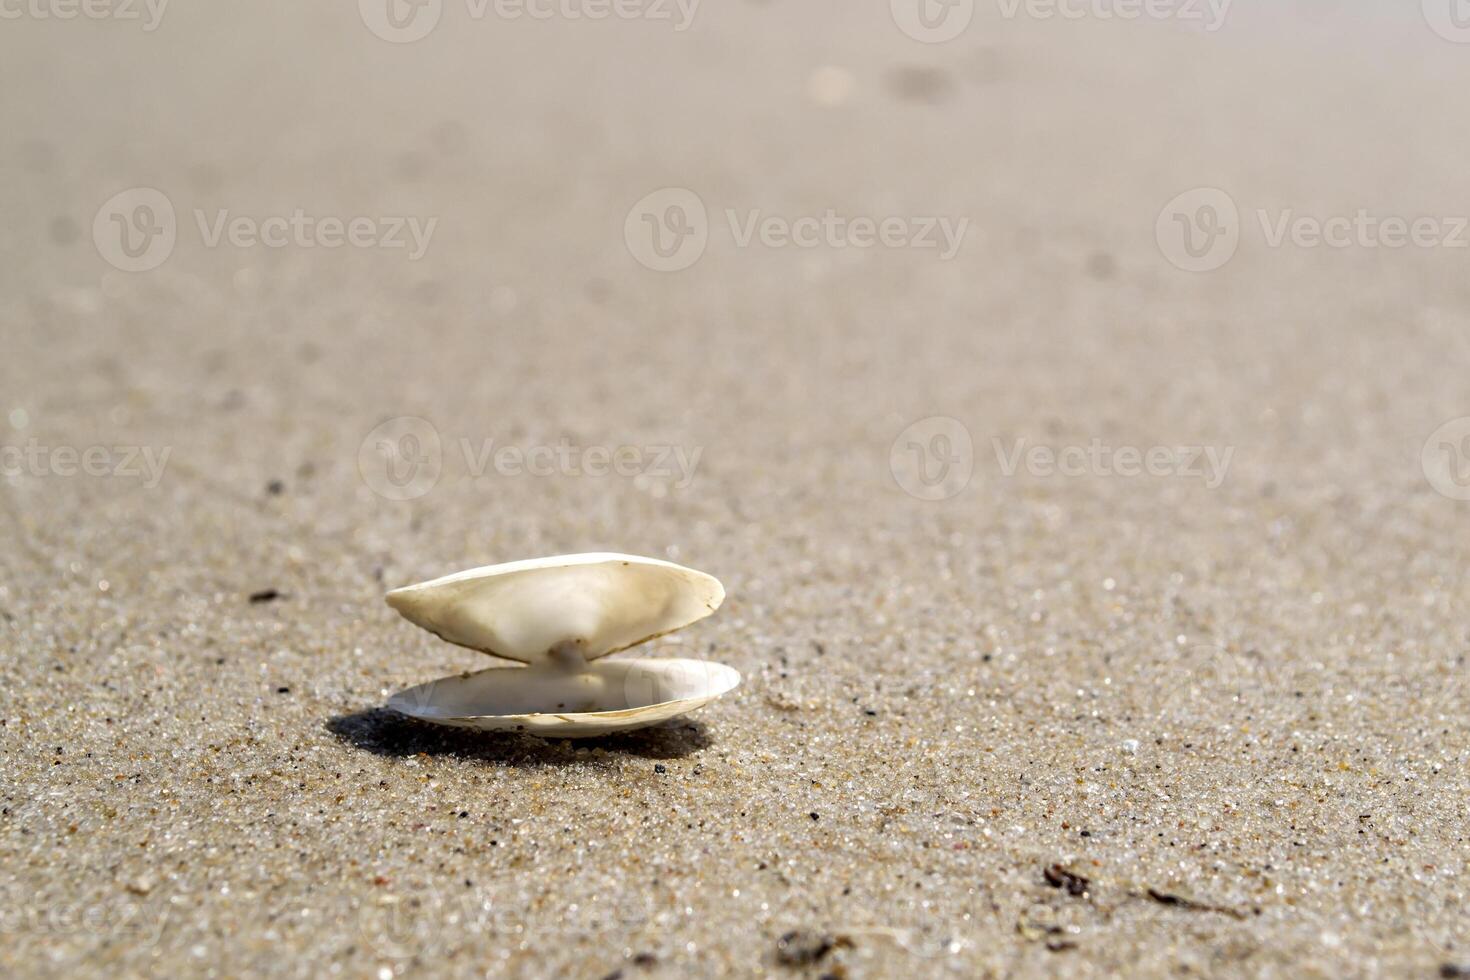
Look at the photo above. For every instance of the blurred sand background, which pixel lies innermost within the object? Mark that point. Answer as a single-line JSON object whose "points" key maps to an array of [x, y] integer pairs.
{"points": [[1239, 712]]}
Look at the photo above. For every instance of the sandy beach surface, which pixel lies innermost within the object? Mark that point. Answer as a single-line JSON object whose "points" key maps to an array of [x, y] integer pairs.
{"points": [[1075, 411]]}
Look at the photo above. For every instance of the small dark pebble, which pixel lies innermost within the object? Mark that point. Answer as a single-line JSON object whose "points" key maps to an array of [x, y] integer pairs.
{"points": [[283, 690], [1086, 833], [870, 712], [815, 816], [463, 814], [921, 84], [645, 959], [1164, 898], [1452, 970], [660, 768], [275, 488], [64, 230], [1059, 877], [265, 595], [801, 948], [1101, 265], [614, 975]]}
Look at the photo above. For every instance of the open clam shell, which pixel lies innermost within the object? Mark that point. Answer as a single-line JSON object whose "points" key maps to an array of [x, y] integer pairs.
{"points": [[559, 616]]}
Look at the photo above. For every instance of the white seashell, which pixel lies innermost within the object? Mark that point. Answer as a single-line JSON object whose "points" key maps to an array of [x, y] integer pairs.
{"points": [[558, 615]]}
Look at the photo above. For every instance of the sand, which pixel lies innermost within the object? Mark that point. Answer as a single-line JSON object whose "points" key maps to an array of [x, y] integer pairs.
{"points": [[1020, 698]]}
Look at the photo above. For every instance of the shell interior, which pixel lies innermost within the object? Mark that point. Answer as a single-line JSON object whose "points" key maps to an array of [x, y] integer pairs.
{"points": [[606, 696]]}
